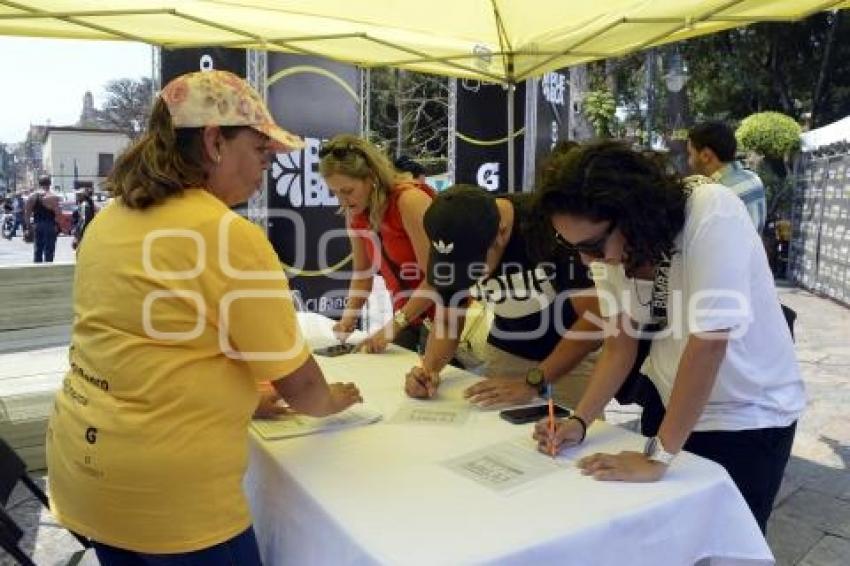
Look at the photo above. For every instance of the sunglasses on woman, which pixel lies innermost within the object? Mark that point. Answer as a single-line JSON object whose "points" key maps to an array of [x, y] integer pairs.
{"points": [[338, 152], [594, 248]]}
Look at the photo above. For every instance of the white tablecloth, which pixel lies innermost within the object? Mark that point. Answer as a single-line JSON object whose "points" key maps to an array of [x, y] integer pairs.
{"points": [[379, 494]]}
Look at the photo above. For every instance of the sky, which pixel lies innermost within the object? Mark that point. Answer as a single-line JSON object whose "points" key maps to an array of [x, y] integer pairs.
{"points": [[45, 79]]}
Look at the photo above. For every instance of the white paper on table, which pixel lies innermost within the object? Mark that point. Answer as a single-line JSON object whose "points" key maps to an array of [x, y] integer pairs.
{"points": [[431, 413], [504, 466], [294, 424]]}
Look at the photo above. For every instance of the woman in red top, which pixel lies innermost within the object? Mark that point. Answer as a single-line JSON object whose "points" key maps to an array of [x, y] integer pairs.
{"points": [[383, 212]]}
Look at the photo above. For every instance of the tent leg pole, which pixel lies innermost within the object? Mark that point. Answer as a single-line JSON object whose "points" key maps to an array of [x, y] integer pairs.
{"points": [[511, 153]]}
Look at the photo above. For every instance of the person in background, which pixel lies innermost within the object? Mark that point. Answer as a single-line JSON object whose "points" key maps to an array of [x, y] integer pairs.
{"points": [[383, 215], [41, 218], [711, 152], [407, 165], [84, 215], [8, 218], [783, 243], [180, 308], [691, 270], [494, 250], [18, 208]]}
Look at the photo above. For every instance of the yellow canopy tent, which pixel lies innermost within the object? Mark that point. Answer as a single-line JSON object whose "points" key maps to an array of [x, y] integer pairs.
{"points": [[496, 40]]}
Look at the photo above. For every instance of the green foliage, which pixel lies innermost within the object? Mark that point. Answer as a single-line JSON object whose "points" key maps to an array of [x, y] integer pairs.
{"points": [[770, 134], [778, 190], [772, 66], [408, 114], [628, 78], [600, 107]]}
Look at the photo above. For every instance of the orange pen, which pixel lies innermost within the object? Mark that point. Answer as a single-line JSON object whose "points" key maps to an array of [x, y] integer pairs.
{"points": [[551, 419]]}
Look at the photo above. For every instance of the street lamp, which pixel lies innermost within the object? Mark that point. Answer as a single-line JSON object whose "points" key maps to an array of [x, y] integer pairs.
{"points": [[677, 74], [674, 79], [677, 108]]}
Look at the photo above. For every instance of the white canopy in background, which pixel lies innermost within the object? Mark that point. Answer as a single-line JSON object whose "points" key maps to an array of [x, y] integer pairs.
{"points": [[832, 133]]}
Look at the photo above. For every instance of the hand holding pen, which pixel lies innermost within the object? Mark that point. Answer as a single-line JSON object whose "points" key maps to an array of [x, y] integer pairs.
{"points": [[552, 434], [551, 418], [421, 384]]}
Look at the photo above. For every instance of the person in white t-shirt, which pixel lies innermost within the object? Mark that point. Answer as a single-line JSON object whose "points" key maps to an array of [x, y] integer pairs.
{"points": [[679, 258]]}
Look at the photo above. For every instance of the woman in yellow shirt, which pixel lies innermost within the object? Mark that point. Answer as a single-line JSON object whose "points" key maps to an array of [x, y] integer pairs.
{"points": [[181, 308]]}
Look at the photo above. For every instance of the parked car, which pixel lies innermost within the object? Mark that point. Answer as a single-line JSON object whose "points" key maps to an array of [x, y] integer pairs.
{"points": [[66, 219]]}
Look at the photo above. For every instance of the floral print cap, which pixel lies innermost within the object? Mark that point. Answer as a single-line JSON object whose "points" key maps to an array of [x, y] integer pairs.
{"points": [[220, 98]]}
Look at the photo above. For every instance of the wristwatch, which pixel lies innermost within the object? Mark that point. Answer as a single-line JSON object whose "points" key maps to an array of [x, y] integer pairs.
{"points": [[536, 380], [654, 450], [400, 320]]}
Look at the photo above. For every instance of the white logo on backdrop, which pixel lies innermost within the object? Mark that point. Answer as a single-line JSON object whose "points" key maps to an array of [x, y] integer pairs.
{"points": [[472, 85], [483, 56], [296, 177], [206, 63], [553, 135], [554, 88], [488, 176]]}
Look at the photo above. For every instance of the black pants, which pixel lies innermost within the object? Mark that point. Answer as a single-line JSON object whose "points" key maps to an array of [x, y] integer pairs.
{"points": [[45, 242], [755, 460], [639, 389]]}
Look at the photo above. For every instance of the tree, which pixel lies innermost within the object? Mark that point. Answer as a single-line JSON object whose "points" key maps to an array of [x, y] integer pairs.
{"points": [[599, 108], [127, 105], [794, 68], [581, 79], [409, 114], [773, 136]]}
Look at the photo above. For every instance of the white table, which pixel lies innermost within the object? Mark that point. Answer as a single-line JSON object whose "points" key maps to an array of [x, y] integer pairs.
{"points": [[379, 495]]}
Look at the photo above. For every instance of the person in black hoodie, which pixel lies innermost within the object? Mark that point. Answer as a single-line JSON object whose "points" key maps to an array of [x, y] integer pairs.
{"points": [[496, 250]]}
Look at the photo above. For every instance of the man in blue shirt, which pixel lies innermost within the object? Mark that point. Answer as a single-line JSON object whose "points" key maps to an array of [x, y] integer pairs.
{"points": [[711, 152]]}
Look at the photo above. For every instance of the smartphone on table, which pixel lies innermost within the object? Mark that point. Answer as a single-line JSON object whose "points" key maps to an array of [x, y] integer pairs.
{"points": [[335, 350], [522, 415]]}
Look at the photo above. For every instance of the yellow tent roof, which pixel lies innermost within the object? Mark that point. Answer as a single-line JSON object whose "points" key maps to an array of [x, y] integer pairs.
{"points": [[498, 40]]}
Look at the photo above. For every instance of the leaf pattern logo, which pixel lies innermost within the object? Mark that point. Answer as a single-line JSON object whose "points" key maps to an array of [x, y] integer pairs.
{"points": [[288, 175]]}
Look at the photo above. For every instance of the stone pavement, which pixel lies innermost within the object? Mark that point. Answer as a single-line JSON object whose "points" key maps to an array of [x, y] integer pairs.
{"points": [[17, 252], [811, 522], [810, 525]]}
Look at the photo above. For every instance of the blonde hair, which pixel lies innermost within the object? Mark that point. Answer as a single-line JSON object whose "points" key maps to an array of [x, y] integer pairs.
{"points": [[354, 157], [162, 163]]}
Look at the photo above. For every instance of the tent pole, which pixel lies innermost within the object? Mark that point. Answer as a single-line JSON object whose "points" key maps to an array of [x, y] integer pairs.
{"points": [[511, 152]]}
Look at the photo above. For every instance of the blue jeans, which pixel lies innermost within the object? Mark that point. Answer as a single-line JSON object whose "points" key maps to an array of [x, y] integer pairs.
{"points": [[45, 241], [19, 222], [241, 550]]}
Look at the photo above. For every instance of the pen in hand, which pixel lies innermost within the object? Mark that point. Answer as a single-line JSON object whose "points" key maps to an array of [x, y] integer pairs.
{"points": [[551, 420]]}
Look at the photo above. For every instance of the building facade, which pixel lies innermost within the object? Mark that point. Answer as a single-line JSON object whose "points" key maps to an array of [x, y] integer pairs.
{"points": [[75, 156]]}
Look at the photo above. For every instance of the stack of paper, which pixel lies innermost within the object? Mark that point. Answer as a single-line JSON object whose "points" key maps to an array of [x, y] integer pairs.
{"points": [[294, 424]]}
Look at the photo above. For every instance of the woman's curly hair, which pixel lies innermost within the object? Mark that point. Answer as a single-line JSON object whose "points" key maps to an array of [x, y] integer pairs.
{"points": [[608, 181]]}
